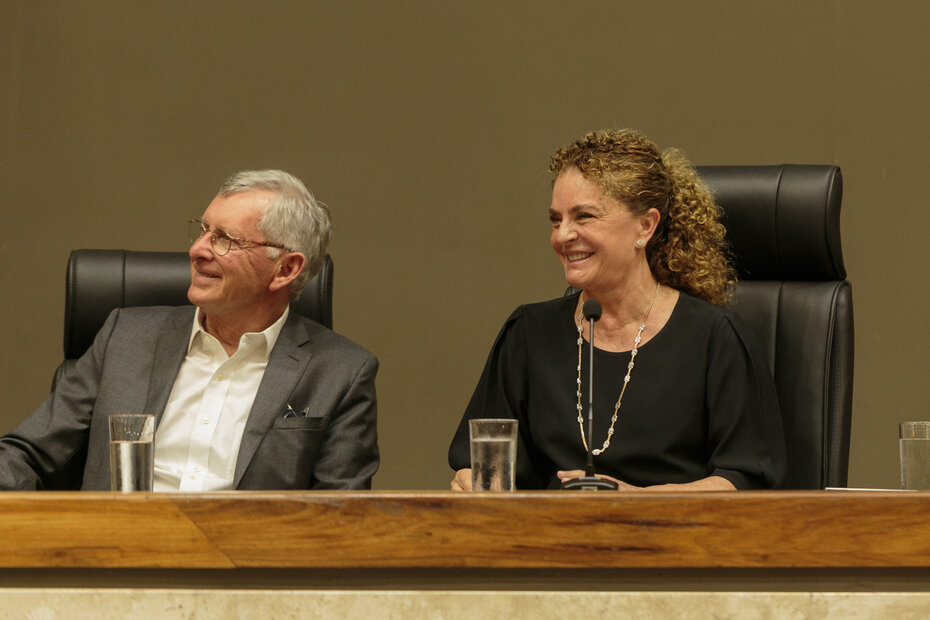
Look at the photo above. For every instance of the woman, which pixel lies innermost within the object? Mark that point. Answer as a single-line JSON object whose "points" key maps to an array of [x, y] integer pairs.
{"points": [[683, 398]]}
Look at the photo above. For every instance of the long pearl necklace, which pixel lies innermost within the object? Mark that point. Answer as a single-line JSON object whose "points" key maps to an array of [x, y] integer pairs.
{"points": [[626, 379]]}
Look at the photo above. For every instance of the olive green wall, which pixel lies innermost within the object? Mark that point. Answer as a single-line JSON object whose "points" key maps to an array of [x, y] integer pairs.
{"points": [[427, 126]]}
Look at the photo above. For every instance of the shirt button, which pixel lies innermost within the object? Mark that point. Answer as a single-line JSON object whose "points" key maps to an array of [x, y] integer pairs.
{"points": [[220, 377], [193, 477], [206, 420], [196, 468]]}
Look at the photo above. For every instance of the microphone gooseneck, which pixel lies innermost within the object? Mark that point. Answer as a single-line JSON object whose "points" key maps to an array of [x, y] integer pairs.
{"points": [[592, 312]]}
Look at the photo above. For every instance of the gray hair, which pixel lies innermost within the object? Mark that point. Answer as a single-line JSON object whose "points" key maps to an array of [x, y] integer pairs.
{"points": [[295, 219]]}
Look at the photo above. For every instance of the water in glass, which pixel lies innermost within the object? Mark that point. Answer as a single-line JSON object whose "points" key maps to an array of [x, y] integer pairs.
{"points": [[131, 465], [492, 461]]}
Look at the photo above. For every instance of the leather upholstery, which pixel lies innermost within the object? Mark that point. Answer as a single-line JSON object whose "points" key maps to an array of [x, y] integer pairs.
{"points": [[99, 281], [783, 223]]}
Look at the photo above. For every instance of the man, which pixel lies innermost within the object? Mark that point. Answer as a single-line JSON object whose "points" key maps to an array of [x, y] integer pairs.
{"points": [[246, 394]]}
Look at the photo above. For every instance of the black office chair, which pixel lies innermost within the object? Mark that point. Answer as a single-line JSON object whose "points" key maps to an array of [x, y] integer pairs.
{"points": [[99, 281], [783, 223]]}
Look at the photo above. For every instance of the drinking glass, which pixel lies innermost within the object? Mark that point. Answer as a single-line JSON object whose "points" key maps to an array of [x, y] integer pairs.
{"points": [[493, 454], [132, 454], [914, 440]]}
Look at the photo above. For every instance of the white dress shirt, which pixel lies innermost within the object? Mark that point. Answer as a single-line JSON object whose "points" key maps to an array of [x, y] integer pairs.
{"points": [[197, 439]]}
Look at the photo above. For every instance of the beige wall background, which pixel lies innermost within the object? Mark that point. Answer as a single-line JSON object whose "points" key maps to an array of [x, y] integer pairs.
{"points": [[426, 126]]}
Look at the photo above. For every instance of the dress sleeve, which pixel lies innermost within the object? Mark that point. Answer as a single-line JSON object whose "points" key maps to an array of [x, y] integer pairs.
{"points": [[502, 392], [746, 438]]}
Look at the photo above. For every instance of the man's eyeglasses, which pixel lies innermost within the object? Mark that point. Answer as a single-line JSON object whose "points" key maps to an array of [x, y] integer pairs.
{"points": [[222, 241]]}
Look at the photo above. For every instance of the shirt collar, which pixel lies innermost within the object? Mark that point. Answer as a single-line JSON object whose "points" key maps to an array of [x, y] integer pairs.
{"points": [[269, 334]]}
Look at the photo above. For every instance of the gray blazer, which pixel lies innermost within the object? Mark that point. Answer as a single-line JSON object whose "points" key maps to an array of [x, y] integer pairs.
{"points": [[131, 368]]}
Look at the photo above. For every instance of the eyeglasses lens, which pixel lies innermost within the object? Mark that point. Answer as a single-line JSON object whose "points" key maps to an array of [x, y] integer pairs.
{"points": [[219, 240]]}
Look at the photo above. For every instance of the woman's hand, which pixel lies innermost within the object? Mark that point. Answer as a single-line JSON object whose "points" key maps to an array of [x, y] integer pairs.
{"points": [[711, 483], [462, 480]]}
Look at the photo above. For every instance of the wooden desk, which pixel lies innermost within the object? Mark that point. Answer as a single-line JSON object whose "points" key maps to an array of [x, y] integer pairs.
{"points": [[812, 529], [544, 542]]}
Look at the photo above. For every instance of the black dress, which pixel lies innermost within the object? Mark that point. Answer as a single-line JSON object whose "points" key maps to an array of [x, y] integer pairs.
{"points": [[700, 402]]}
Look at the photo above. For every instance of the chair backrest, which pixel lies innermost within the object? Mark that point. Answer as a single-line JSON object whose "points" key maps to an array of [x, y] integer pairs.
{"points": [[99, 281], [783, 223]]}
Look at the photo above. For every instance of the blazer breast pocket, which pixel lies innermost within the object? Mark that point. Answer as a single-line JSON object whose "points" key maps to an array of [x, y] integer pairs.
{"points": [[300, 423], [286, 457]]}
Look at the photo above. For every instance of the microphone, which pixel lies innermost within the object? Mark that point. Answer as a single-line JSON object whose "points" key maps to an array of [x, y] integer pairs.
{"points": [[589, 482], [592, 309]]}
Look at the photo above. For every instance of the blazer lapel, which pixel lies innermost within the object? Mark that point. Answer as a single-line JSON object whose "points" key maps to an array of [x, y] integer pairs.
{"points": [[286, 365], [170, 350]]}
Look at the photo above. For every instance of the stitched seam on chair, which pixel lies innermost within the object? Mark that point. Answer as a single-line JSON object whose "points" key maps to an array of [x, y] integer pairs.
{"points": [[775, 358], [837, 347], [826, 221], [831, 254], [776, 362], [69, 305], [778, 250], [122, 292], [829, 448], [325, 302]]}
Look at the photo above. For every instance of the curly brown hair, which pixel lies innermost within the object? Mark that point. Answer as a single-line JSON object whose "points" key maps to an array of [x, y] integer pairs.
{"points": [[689, 249]]}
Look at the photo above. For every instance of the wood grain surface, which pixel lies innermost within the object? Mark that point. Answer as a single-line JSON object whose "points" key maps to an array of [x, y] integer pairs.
{"points": [[811, 529]]}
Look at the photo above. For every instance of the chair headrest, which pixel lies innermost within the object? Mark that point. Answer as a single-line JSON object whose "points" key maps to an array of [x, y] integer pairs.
{"points": [[783, 221], [98, 281]]}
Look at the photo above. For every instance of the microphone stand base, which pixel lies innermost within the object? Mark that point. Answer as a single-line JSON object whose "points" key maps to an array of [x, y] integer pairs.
{"points": [[589, 483]]}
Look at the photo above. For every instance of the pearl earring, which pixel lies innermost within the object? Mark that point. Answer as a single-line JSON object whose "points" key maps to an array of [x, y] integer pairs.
{"points": [[640, 243]]}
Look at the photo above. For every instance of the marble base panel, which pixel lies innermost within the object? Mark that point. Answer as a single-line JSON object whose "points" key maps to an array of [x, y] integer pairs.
{"points": [[218, 604]]}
